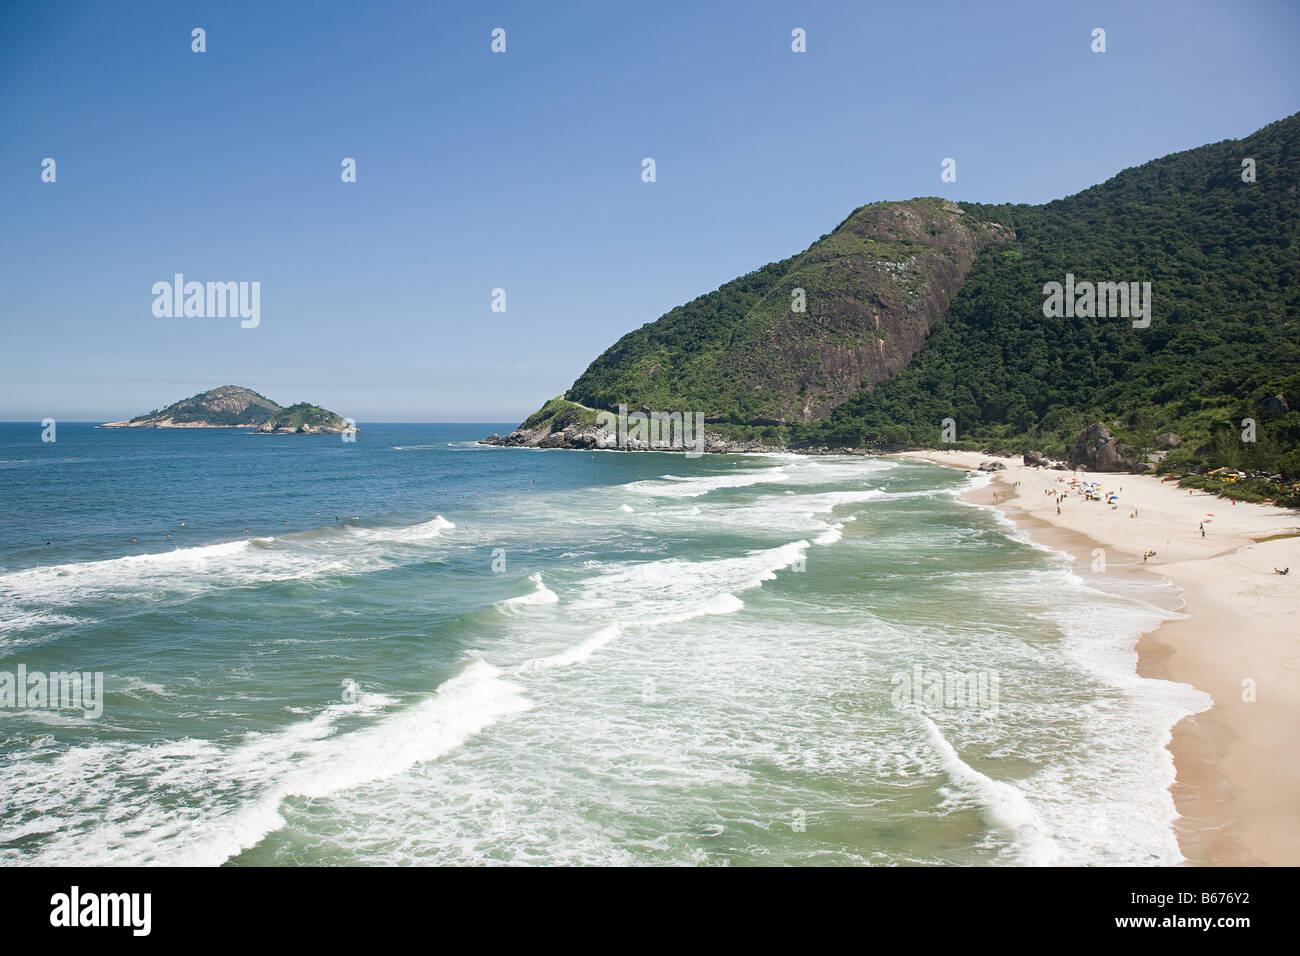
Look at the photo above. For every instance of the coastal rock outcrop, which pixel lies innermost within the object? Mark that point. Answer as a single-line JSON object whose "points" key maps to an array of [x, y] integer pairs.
{"points": [[587, 438], [1096, 449]]}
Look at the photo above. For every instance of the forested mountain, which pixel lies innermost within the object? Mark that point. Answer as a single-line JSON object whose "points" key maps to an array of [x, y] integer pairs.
{"points": [[793, 340], [928, 310], [1224, 337]]}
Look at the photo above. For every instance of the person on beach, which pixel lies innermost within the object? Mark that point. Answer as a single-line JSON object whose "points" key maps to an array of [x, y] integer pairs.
{"points": [[1286, 570], [1202, 529]]}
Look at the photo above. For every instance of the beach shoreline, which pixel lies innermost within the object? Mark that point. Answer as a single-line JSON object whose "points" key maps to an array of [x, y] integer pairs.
{"points": [[1237, 764]]}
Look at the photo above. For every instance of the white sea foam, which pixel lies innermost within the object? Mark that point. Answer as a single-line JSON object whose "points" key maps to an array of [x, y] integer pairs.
{"points": [[669, 591], [830, 535], [671, 486], [413, 534], [577, 654], [539, 595], [30, 594], [1003, 804], [309, 759], [133, 686]]}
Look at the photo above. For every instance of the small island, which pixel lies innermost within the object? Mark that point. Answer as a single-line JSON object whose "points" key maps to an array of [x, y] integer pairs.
{"points": [[233, 406]]}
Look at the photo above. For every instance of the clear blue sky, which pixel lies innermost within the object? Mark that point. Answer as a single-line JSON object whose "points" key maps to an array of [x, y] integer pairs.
{"points": [[523, 170]]}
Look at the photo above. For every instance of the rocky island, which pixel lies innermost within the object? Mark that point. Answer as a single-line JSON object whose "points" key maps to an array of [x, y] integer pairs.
{"points": [[233, 406]]}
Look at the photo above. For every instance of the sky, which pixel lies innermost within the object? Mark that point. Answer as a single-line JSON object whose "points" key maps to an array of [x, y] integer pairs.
{"points": [[522, 171]]}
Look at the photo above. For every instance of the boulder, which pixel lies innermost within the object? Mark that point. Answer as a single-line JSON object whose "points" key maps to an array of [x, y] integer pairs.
{"points": [[1096, 450], [1168, 440], [992, 466], [1034, 459], [1278, 404]]}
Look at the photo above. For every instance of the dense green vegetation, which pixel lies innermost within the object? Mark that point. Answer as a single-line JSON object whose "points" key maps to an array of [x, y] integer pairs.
{"points": [[303, 413], [559, 412], [227, 405], [234, 405], [1223, 260], [740, 354]]}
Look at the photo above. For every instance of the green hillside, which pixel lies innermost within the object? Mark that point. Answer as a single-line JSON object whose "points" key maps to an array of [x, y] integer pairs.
{"points": [[927, 310], [229, 405], [233, 406], [742, 354], [303, 414], [1222, 257]]}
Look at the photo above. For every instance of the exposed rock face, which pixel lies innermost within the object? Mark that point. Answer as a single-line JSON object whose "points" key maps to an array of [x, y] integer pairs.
{"points": [[270, 428], [574, 435], [230, 406], [874, 288], [1034, 459], [1096, 450], [1168, 440], [585, 437], [1278, 404]]}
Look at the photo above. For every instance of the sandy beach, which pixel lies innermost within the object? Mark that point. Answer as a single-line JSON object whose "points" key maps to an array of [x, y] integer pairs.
{"points": [[1238, 639]]}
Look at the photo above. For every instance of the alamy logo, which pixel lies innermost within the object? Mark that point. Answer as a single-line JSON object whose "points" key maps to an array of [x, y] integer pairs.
{"points": [[58, 690], [655, 430], [212, 300], [937, 690], [1103, 300], [103, 909]]}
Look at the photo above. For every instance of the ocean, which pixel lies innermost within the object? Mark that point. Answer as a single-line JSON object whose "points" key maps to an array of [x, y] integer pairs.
{"points": [[415, 649]]}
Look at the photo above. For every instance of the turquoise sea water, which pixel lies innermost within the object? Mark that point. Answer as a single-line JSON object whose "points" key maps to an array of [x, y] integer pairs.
{"points": [[425, 650]]}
